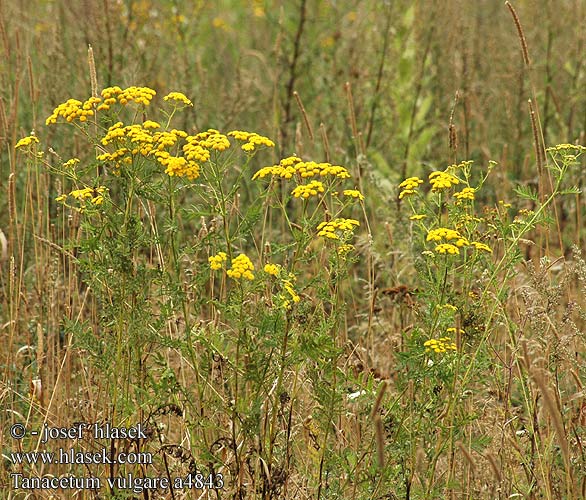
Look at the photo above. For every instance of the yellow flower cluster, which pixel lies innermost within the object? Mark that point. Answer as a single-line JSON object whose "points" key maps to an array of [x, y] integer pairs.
{"points": [[448, 307], [73, 109], [116, 131], [458, 241], [288, 167], [123, 143], [564, 148], [178, 166], [94, 195], [441, 345], [286, 282], [212, 139], [26, 141], [292, 294], [148, 124], [120, 155], [71, 163], [272, 269], [307, 190], [216, 261], [285, 169], [252, 140], [481, 246], [466, 194], [139, 95], [442, 180], [139, 139], [193, 150], [344, 249], [353, 193], [311, 169], [453, 330], [178, 97], [142, 140], [332, 228], [446, 234], [409, 186], [241, 268], [447, 248]]}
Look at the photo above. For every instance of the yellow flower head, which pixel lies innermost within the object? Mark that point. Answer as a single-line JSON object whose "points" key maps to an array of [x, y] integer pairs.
{"points": [[95, 196], [344, 249], [447, 248], [440, 346], [466, 194], [251, 140], [139, 95], [411, 183], [211, 139], [179, 166], [151, 124], [216, 261], [26, 141], [72, 110], [241, 268], [409, 186], [288, 286], [442, 180], [179, 98], [353, 193], [288, 167], [481, 246], [333, 228], [442, 233], [272, 269], [453, 330], [71, 163], [307, 190]]}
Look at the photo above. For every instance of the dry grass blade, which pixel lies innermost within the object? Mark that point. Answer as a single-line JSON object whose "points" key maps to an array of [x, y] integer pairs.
{"points": [[467, 456], [304, 114], [92, 67], [520, 32], [554, 413]]}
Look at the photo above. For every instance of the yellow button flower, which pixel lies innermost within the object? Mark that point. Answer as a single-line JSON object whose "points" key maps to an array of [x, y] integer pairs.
{"points": [[216, 261], [272, 269], [26, 141], [178, 97], [241, 268], [447, 248], [307, 190]]}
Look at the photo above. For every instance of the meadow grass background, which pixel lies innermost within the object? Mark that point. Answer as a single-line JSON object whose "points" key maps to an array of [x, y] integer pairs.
{"points": [[335, 397]]}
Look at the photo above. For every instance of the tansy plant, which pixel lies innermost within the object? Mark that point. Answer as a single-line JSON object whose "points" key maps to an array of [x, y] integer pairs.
{"points": [[465, 258], [454, 247], [230, 293], [463, 252]]}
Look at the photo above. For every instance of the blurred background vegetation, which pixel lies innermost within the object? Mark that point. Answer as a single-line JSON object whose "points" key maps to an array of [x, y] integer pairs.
{"points": [[240, 62]]}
